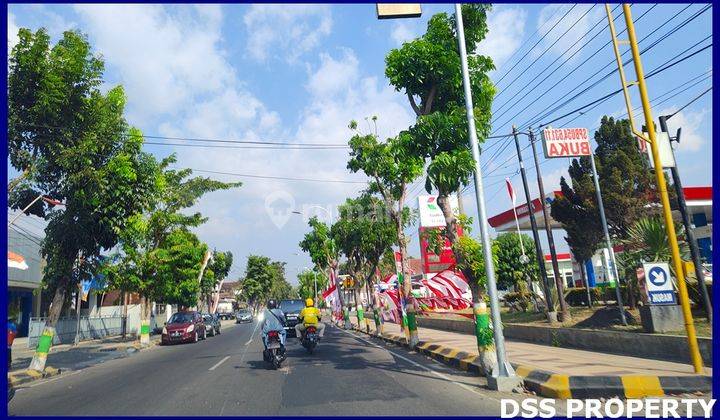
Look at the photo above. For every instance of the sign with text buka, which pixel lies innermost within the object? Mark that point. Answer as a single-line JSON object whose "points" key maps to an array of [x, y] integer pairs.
{"points": [[566, 142]]}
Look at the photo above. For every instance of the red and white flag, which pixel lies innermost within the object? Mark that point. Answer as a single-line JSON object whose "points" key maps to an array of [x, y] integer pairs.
{"points": [[511, 191], [16, 261]]}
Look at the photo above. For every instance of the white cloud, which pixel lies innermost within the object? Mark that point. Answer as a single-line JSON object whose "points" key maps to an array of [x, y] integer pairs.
{"points": [[285, 31], [165, 61], [551, 14], [334, 75], [12, 33], [690, 139], [403, 32], [506, 29]]}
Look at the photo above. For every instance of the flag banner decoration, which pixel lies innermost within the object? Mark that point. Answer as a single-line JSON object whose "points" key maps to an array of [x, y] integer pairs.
{"points": [[16, 261]]}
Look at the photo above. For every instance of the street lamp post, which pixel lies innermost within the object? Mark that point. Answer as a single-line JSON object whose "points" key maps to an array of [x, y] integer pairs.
{"points": [[503, 378]]}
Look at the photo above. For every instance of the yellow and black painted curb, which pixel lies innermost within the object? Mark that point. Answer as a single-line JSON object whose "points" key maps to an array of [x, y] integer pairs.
{"points": [[25, 376], [554, 385]]}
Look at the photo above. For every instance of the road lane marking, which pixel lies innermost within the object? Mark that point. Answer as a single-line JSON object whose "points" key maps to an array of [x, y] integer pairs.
{"points": [[219, 363], [429, 369]]}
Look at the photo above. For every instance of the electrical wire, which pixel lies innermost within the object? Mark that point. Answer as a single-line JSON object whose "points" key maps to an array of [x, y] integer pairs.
{"points": [[282, 178]]}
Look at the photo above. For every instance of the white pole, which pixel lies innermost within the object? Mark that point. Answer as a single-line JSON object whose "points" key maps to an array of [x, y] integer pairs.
{"points": [[24, 210], [504, 369]]}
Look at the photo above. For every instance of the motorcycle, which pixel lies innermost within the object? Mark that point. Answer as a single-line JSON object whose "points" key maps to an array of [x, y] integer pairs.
{"points": [[275, 353], [310, 339]]}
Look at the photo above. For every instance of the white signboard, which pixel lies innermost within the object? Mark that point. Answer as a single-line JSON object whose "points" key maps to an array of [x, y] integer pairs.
{"points": [[658, 284], [667, 157], [395, 10], [566, 142], [431, 214]]}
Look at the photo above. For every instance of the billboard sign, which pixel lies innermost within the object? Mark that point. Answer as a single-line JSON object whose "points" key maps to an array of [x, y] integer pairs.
{"points": [[431, 214], [566, 142], [433, 263]]}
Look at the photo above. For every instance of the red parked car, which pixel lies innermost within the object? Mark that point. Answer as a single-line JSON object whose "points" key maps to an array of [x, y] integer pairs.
{"points": [[184, 327]]}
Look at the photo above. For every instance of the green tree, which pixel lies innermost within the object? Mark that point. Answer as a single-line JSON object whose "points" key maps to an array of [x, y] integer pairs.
{"points": [[391, 166], [364, 232], [71, 143], [257, 281], [279, 288], [323, 250], [626, 180], [147, 232], [428, 70], [511, 271], [217, 270], [577, 210]]}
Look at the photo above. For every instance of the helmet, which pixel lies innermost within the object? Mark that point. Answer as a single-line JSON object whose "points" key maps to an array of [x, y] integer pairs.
{"points": [[271, 304], [309, 302]]}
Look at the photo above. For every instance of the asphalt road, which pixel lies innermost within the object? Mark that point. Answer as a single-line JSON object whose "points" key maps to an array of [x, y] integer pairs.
{"points": [[349, 374]]}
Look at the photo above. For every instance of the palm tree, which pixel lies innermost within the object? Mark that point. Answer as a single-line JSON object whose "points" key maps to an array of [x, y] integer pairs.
{"points": [[647, 241]]}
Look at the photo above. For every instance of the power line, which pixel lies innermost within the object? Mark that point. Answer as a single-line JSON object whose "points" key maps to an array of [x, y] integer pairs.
{"points": [[271, 147], [207, 140], [571, 91], [651, 74], [575, 96], [546, 50], [694, 99], [539, 41], [339, 181], [540, 80]]}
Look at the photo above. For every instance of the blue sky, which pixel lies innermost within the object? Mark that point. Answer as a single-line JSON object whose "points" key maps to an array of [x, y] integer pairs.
{"points": [[300, 73]]}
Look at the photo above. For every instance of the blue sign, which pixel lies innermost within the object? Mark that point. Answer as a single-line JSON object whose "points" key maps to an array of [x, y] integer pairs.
{"points": [[659, 285]]}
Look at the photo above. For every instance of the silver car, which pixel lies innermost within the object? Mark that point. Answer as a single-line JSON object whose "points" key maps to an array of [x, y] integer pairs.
{"points": [[242, 316]]}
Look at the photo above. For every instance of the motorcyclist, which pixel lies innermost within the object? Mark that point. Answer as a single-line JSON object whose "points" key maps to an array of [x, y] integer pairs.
{"points": [[274, 320], [310, 315]]}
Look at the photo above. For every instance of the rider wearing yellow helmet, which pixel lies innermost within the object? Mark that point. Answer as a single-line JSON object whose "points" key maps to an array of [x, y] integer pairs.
{"points": [[310, 315]]}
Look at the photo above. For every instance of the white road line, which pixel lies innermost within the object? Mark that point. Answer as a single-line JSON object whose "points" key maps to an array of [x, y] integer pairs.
{"points": [[414, 363], [219, 363]]}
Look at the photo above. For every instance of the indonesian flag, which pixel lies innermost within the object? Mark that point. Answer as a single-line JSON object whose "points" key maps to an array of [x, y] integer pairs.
{"points": [[511, 191], [16, 261], [331, 295], [447, 284]]}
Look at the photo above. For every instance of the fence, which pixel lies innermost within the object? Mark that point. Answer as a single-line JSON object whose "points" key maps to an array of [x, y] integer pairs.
{"points": [[91, 328]]}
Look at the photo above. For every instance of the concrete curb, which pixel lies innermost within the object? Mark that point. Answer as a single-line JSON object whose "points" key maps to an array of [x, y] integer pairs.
{"points": [[554, 385], [25, 376], [22, 377]]}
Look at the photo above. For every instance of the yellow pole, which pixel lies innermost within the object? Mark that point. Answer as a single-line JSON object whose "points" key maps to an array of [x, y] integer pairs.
{"points": [[662, 189]]}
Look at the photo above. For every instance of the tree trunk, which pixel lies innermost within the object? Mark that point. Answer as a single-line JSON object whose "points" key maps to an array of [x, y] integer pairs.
{"points": [[483, 332], [45, 341], [411, 332], [144, 321]]}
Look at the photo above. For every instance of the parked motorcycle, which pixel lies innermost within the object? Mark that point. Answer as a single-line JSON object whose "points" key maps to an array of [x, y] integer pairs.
{"points": [[275, 353], [310, 339]]}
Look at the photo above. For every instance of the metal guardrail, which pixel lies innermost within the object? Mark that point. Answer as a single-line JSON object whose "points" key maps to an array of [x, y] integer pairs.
{"points": [[91, 328]]}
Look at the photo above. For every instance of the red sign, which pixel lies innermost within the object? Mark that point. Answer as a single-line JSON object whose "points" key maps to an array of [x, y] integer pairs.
{"points": [[566, 142], [433, 263]]}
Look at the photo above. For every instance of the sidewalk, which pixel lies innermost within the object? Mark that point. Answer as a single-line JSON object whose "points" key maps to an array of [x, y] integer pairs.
{"points": [[560, 372]]}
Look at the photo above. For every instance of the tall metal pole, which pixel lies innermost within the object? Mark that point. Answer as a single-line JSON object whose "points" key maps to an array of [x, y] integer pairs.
{"points": [[504, 369], [551, 314], [664, 199], [565, 315], [612, 264], [690, 235]]}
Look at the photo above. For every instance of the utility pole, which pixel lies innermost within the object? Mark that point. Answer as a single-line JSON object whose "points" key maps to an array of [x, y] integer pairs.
{"points": [[612, 263], [564, 314], [503, 378], [551, 314], [690, 235], [693, 347]]}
